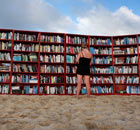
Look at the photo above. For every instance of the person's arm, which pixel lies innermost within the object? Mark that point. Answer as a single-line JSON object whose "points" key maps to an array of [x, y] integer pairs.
{"points": [[78, 57]]}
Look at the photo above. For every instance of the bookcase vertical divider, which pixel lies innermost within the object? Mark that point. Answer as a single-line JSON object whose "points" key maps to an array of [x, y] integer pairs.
{"points": [[138, 59], [89, 50], [12, 48], [65, 84], [39, 39], [113, 67]]}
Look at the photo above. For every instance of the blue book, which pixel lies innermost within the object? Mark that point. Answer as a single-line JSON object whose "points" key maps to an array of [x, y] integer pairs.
{"points": [[137, 89], [92, 50], [99, 89], [84, 90], [111, 89], [129, 88], [98, 42], [108, 42], [16, 58], [94, 60], [68, 59], [102, 79], [92, 91], [27, 89]]}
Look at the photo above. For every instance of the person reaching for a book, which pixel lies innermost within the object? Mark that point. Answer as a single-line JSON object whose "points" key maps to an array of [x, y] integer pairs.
{"points": [[84, 61]]}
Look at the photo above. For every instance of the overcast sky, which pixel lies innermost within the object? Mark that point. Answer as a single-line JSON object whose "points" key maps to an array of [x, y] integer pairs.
{"points": [[95, 17]]}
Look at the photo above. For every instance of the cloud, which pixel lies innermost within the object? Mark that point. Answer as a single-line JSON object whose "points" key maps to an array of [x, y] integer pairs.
{"points": [[39, 15], [33, 15], [100, 21]]}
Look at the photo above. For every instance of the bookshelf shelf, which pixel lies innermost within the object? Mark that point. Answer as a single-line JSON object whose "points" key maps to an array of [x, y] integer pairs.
{"points": [[73, 44], [128, 45], [95, 84], [5, 61], [23, 41], [51, 73], [127, 84], [4, 71], [108, 46], [101, 55], [24, 83], [25, 72], [101, 65], [5, 50], [28, 62], [4, 82], [114, 57], [126, 74], [101, 74], [120, 55], [5, 40], [25, 51], [126, 64]]}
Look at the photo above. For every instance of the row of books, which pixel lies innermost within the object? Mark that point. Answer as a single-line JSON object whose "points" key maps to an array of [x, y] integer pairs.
{"points": [[24, 78], [107, 70], [70, 59], [100, 50], [24, 68], [101, 89], [25, 37], [102, 60], [4, 77], [131, 50], [51, 79], [24, 89], [126, 69], [52, 58], [52, 48], [71, 69], [51, 89], [121, 60], [73, 50], [58, 38], [93, 89], [71, 79], [5, 67], [5, 45], [101, 79], [51, 69], [125, 41], [25, 57], [4, 89], [126, 79], [5, 56], [76, 40], [98, 41], [26, 47], [133, 90], [6, 35], [71, 89]]}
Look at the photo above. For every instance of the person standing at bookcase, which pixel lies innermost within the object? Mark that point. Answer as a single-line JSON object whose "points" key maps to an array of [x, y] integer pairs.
{"points": [[84, 61]]}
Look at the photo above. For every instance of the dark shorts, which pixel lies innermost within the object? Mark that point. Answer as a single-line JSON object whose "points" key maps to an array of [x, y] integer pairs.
{"points": [[83, 71]]}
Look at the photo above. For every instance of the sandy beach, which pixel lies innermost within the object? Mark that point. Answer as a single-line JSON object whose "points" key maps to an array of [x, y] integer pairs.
{"points": [[18, 112]]}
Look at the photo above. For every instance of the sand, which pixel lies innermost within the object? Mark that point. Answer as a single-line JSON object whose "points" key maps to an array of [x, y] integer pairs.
{"points": [[18, 112]]}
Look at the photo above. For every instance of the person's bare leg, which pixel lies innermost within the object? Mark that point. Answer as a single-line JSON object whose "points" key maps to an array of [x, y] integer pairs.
{"points": [[79, 81], [87, 82]]}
